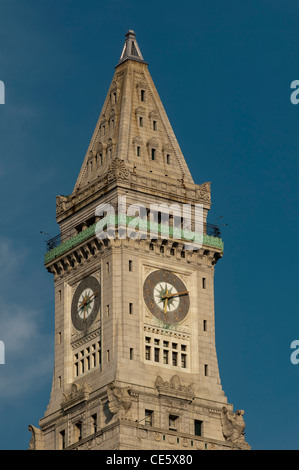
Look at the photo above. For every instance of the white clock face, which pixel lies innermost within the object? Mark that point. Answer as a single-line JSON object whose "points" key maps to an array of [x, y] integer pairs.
{"points": [[85, 303], [164, 290]]}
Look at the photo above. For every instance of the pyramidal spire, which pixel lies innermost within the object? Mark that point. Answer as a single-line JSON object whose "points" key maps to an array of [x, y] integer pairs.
{"points": [[133, 127], [131, 49]]}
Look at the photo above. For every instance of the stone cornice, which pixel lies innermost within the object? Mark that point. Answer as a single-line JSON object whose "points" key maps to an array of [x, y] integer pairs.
{"points": [[88, 242], [61, 264], [118, 174], [150, 435]]}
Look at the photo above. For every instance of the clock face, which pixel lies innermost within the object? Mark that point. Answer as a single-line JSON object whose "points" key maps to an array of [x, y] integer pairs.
{"points": [[166, 296], [86, 303]]}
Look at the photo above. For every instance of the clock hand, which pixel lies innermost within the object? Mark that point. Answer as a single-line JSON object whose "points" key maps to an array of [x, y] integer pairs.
{"points": [[174, 295], [86, 300], [92, 295], [82, 304], [166, 301], [84, 308], [178, 293]]}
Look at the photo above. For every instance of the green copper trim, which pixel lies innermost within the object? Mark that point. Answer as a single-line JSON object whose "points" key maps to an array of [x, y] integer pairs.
{"points": [[68, 244], [131, 222]]}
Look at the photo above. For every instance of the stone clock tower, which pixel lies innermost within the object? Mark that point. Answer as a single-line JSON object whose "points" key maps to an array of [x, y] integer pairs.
{"points": [[135, 357]]}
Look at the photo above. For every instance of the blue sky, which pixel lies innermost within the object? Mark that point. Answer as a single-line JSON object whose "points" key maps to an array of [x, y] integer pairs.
{"points": [[223, 71]]}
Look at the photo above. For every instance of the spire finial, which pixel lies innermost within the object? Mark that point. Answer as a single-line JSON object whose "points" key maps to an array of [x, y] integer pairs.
{"points": [[130, 33], [130, 49]]}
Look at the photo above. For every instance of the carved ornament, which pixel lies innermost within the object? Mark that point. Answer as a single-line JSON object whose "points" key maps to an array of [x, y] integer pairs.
{"points": [[120, 401], [118, 170], [233, 427], [174, 388], [78, 394]]}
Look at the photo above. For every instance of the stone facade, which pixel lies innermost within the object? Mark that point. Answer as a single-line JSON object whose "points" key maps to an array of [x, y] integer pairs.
{"points": [[130, 380]]}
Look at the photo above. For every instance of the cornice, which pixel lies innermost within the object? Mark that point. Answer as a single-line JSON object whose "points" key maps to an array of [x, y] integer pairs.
{"points": [[119, 174], [84, 246]]}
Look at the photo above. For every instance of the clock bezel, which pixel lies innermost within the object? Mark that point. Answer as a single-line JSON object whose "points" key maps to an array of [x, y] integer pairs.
{"points": [[89, 282], [179, 314]]}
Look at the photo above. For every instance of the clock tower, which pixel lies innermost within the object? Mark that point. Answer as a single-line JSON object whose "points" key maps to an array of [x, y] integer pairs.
{"points": [[135, 358]]}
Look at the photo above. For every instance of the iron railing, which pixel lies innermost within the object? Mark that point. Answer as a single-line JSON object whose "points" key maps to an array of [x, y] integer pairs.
{"points": [[208, 229], [53, 242]]}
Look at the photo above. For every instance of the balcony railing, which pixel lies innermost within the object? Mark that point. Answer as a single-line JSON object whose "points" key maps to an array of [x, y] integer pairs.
{"points": [[53, 242], [208, 229], [212, 230]]}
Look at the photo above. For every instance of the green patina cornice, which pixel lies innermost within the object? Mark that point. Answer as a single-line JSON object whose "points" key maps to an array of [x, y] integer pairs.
{"points": [[125, 221]]}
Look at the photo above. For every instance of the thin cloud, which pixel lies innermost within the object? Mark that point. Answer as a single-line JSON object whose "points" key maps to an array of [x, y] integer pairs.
{"points": [[28, 351], [28, 348], [10, 259]]}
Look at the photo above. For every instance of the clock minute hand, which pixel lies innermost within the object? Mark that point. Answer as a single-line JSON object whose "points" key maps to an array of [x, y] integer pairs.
{"points": [[166, 301], [176, 294], [92, 295], [83, 302], [87, 300]]}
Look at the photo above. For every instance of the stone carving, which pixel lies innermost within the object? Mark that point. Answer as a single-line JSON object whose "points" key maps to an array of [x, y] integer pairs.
{"points": [[233, 426], [171, 439], [61, 203], [120, 401], [37, 440], [117, 170], [153, 143], [154, 114], [174, 385], [78, 394], [99, 147], [143, 433], [91, 155], [204, 192], [140, 111]]}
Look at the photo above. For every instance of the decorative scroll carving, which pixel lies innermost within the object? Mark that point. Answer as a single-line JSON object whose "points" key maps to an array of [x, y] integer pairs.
{"points": [[140, 111], [100, 147], [91, 155], [61, 203], [174, 387], [153, 143], [37, 438], [120, 401], [204, 192], [233, 426], [117, 170], [78, 394], [154, 114], [137, 140]]}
